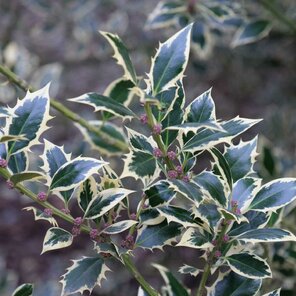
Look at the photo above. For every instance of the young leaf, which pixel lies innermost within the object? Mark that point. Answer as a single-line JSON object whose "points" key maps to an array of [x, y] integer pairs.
{"points": [[236, 285], [103, 103], [86, 192], [159, 193], [274, 293], [249, 265], [157, 236], [188, 269], [74, 172], [84, 275], [194, 238], [206, 139], [266, 235], [39, 215], [26, 176], [241, 158], [105, 201], [119, 227], [24, 290], [274, 195], [251, 32], [107, 247], [172, 284], [212, 187], [99, 144], [139, 142], [169, 63], [56, 238], [29, 119], [121, 55]]}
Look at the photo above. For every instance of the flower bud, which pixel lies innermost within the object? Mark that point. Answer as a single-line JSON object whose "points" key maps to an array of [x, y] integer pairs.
{"points": [[172, 155], [217, 254], [48, 212], [179, 169], [66, 211], [76, 230], [42, 196], [225, 238], [93, 233], [3, 163], [144, 118], [186, 179], [172, 174], [78, 221], [10, 184], [156, 130], [133, 216], [157, 152]]}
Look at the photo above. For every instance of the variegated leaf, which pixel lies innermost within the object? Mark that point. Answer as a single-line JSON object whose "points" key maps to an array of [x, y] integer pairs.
{"points": [[207, 139], [56, 238], [276, 292], [139, 142], [119, 227], [188, 269], [102, 103], [201, 41], [194, 238], [84, 275], [157, 236], [274, 195], [39, 215], [121, 55], [29, 119], [241, 158], [26, 176], [86, 192], [99, 144], [178, 215], [24, 290], [8, 138], [236, 285], [105, 201], [18, 162], [169, 63], [172, 284], [190, 190], [231, 215], [251, 32], [159, 193], [266, 235], [75, 172], [107, 247], [151, 216], [249, 265], [212, 186]]}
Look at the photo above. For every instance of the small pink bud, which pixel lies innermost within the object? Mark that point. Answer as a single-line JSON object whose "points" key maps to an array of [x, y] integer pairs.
{"points": [[172, 155], [225, 238], [186, 179], [133, 216], [10, 184], [214, 242], [48, 212], [172, 174], [179, 169], [76, 230], [42, 196], [3, 163], [226, 222], [66, 211], [93, 233], [156, 130], [157, 152], [78, 221], [218, 254], [233, 203], [238, 211], [144, 118]]}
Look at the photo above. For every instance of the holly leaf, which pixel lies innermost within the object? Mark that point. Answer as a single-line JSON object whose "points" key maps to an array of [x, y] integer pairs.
{"points": [[86, 192], [26, 176], [119, 227], [194, 238], [24, 290], [40, 215], [84, 275], [56, 238]]}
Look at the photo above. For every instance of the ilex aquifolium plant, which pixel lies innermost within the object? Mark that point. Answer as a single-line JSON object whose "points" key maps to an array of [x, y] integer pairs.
{"points": [[220, 213]]}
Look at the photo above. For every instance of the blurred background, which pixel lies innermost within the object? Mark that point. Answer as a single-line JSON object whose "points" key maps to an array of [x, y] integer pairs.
{"points": [[58, 41]]}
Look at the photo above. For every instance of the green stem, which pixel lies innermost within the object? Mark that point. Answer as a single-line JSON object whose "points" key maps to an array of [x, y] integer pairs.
{"points": [[85, 228], [64, 110], [131, 267], [157, 138], [204, 278], [273, 9]]}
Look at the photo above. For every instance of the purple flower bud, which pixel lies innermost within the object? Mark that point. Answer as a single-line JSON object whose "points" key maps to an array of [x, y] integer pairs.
{"points": [[238, 211], [48, 212], [226, 222], [217, 254], [10, 184], [3, 163], [133, 216], [172, 155], [66, 211], [179, 169], [42, 196], [144, 118], [78, 221], [157, 129], [157, 152], [172, 174], [214, 242], [186, 179], [76, 230], [93, 233], [233, 203], [225, 238]]}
